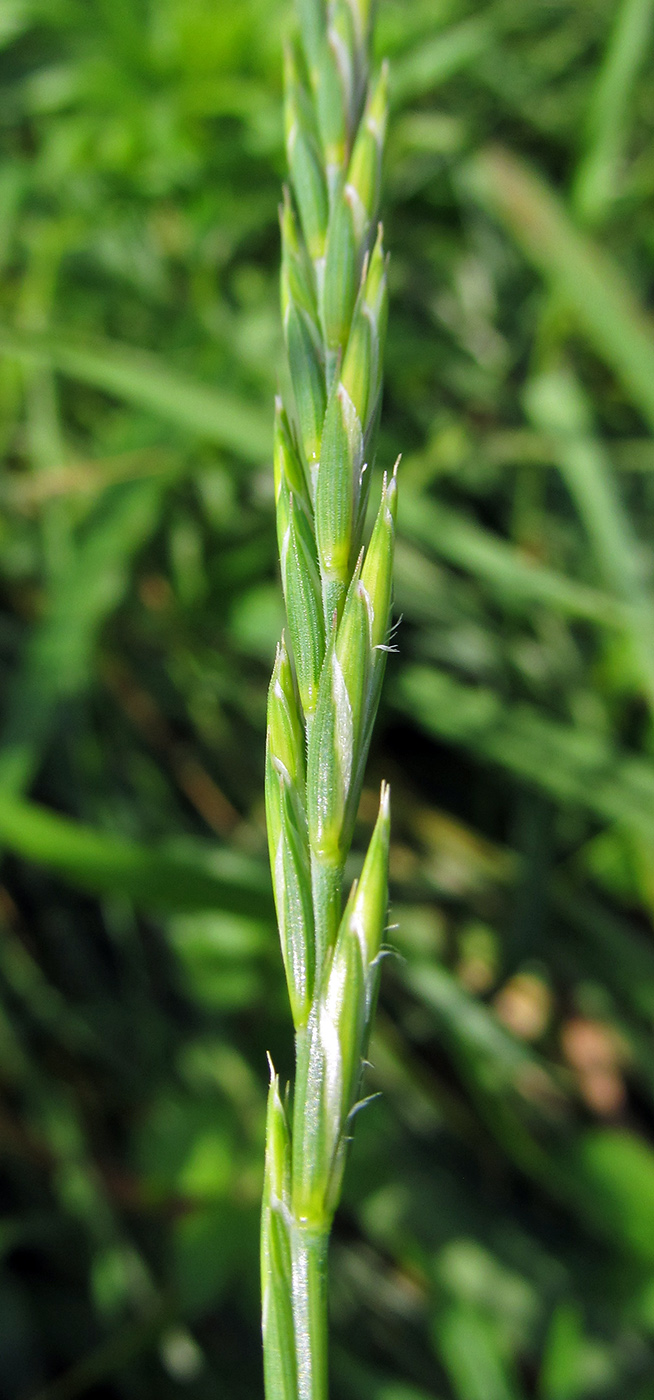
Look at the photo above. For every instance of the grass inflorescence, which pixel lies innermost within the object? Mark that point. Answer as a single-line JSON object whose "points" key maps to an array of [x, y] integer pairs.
{"points": [[328, 671]]}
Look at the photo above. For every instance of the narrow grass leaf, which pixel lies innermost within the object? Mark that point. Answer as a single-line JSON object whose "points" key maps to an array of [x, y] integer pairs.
{"points": [[141, 378], [59, 653], [156, 877], [559, 408], [584, 277], [515, 579], [572, 765], [598, 177], [435, 60]]}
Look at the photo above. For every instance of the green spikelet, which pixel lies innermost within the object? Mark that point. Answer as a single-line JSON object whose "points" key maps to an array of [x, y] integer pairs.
{"points": [[361, 374], [337, 498], [287, 837], [276, 1269], [304, 160], [330, 1065], [364, 170], [299, 565], [325, 686]]}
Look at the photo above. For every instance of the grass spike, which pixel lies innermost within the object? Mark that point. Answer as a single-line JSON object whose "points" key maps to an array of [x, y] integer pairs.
{"points": [[323, 701]]}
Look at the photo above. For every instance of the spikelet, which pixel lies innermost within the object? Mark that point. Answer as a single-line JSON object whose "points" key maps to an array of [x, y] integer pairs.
{"points": [[280, 1365], [330, 1065]]}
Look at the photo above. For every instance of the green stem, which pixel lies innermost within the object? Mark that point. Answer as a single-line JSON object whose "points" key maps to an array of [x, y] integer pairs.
{"points": [[326, 883], [311, 1219], [309, 1246]]}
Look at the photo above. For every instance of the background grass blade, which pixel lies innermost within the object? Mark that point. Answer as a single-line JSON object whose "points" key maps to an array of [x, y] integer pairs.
{"points": [[59, 654], [434, 61], [515, 578], [163, 878], [571, 765], [598, 176], [558, 407], [586, 280], [144, 380]]}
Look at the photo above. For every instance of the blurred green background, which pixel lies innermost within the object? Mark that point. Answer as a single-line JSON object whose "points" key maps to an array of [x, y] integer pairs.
{"points": [[496, 1238]]}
